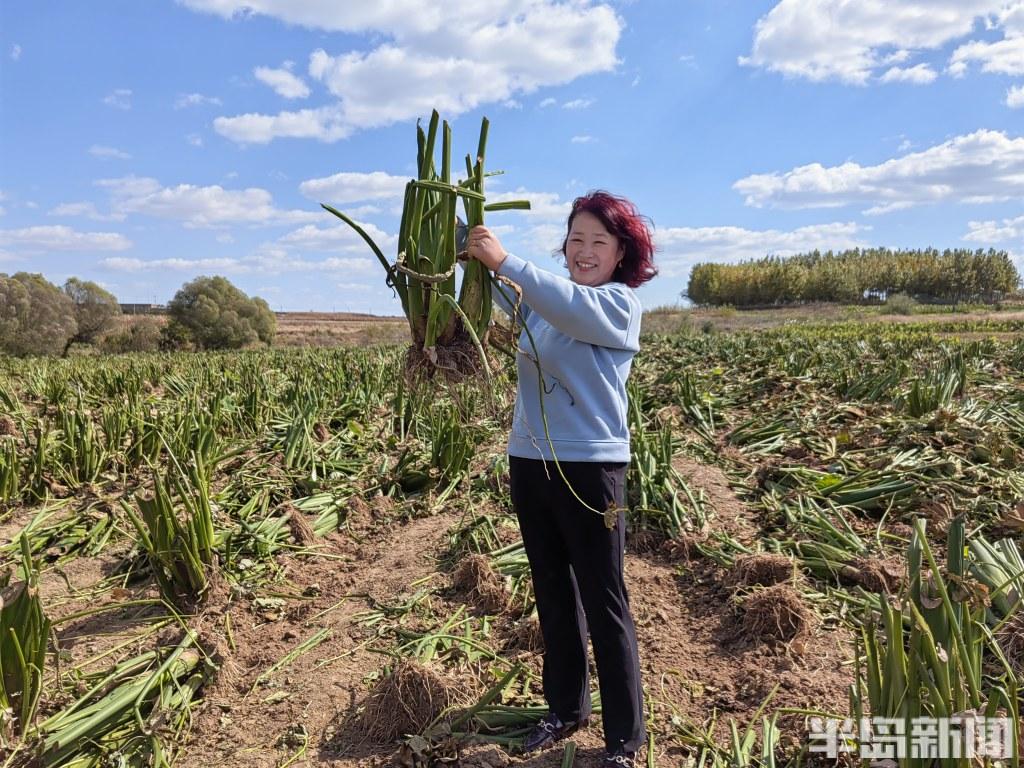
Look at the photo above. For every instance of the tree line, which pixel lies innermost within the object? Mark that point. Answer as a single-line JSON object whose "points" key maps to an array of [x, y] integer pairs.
{"points": [[40, 318], [855, 276]]}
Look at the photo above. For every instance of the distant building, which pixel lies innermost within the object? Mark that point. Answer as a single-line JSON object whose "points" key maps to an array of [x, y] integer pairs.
{"points": [[143, 309]]}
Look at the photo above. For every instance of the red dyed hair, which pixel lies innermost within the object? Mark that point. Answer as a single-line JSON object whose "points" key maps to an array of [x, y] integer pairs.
{"points": [[621, 218]]}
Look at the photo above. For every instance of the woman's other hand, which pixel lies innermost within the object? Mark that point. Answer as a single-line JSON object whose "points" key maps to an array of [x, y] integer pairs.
{"points": [[485, 247]]}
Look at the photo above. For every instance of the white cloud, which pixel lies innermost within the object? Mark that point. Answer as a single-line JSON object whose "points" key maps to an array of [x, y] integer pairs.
{"points": [[548, 102], [543, 205], [15, 52], [679, 248], [451, 57], [920, 74], [97, 150], [344, 188], [198, 206], [283, 82], [86, 209], [194, 140], [62, 238], [323, 123], [195, 100], [1003, 57], [121, 98], [225, 237], [1015, 97], [983, 166], [268, 263], [851, 41], [578, 104], [995, 231], [582, 139], [337, 237]]}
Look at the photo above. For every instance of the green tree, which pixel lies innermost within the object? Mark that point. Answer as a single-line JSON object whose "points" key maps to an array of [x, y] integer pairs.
{"points": [[142, 334], [214, 314], [96, 310], [36, 318]]}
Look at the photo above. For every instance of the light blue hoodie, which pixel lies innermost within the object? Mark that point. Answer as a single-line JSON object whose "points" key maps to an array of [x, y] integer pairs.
{"points": [[585, 341]]}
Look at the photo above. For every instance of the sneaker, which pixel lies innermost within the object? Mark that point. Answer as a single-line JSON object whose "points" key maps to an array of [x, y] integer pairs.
{"points": [[620, 757], [548, 731]]}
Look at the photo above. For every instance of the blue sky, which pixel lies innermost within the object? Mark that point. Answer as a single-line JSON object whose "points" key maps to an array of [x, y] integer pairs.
{"points": [[145, 143]]}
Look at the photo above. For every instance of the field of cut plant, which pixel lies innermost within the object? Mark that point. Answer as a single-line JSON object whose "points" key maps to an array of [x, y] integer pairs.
{"points": [[291, 557]]}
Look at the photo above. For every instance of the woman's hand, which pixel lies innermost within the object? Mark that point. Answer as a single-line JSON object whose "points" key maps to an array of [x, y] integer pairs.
{"points": [[484, 246]]}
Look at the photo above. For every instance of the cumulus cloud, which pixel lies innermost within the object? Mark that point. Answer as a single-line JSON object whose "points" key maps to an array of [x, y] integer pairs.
{"points": [[62, 238], [15, 52], [196, 206], [921, 74], [854, 42], [581, 139], [350, 187], [995, 231], [323, 123], [97, 150], [679, 248], [1002, 57], [451, 57], [984, 166], [283, 81], [1015, 97], [547, 102], [195, 100], [546, 206], [340, 237], [120, 98], [578, 104]]}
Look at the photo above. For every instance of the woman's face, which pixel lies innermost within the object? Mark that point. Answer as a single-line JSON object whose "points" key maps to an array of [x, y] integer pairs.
{"points": [[591, 253]]}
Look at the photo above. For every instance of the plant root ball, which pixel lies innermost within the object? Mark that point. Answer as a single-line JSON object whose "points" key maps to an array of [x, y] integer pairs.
{"points": [[873, 574], [477, 579], [1011, 640], [405, 701], [452, 362], [301, 529], [526, 635], [764, 568], [777, 613]]}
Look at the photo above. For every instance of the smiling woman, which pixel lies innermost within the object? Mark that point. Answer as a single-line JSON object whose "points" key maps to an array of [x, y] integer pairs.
{"points": [[568, 454]]}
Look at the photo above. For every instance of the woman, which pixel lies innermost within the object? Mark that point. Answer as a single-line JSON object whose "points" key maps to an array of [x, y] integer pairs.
{"points": [[584, 331]]}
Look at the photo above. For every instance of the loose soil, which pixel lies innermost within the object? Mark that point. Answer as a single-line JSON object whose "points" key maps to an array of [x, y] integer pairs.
{"points": [[697, 654]]}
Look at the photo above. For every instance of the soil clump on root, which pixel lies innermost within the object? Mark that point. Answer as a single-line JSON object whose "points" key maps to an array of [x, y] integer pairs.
{"points": [[764, 569], [405, 701], [777, 613], [454, 361], [526, 635], [874, 575], [477, 580], [1011, 640]]}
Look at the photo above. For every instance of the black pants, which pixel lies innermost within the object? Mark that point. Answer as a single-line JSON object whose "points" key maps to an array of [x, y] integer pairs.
{"points": [[576, 564]]}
